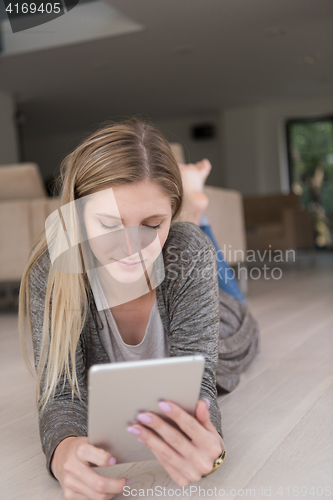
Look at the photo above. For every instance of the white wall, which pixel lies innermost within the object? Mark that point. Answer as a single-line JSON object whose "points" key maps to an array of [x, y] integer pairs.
{"points": [[248, 153], [48, 150], [8, 139], [254, 143], [178, 129]]}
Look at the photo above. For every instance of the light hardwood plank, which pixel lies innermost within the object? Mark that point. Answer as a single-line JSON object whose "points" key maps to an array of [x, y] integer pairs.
{"points": [[304, 460]]}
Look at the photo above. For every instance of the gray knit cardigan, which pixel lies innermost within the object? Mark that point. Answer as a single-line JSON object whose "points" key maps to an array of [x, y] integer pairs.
{"points": [[197, 317]]}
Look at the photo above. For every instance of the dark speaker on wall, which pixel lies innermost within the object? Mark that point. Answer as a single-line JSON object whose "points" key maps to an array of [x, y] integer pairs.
{"points": [[203, 131]]}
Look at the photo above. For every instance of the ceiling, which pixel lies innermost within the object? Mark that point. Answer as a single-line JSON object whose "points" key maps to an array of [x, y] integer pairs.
{"points": [[192, 56]]}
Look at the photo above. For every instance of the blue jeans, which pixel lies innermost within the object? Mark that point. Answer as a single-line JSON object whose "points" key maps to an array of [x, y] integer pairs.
{"points": [[226, 277]]}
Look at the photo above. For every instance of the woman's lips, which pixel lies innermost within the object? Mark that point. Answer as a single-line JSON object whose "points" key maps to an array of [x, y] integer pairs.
{"points": [[127, 265]]}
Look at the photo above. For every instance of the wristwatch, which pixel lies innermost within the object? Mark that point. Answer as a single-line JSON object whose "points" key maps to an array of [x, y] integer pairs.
{"points": [[218, 462]]}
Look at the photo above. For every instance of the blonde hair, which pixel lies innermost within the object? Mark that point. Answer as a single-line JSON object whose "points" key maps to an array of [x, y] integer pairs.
{"points": [[117, 153]]}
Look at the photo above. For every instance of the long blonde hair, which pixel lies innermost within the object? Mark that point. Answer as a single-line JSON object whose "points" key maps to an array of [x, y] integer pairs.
{"points": [[117, 153]]}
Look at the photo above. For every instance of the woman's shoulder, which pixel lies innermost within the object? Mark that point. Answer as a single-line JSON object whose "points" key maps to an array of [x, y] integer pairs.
{"points": [[186, 237]]}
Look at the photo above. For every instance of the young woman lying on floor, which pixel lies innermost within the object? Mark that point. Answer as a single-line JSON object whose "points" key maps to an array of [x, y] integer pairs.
{"points": [[130, 167]]}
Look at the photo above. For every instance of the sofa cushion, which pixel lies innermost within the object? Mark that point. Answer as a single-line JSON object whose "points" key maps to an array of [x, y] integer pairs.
{"points": [[21, 182], [15, 240]]}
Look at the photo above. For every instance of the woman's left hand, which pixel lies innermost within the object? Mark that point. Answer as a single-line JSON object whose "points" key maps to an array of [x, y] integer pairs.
{"points": [[185, 460]]}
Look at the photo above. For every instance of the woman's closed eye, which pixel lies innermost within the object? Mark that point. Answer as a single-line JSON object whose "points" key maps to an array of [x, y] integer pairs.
{"points": [[120, 225], [109, 227], [154, 227]]}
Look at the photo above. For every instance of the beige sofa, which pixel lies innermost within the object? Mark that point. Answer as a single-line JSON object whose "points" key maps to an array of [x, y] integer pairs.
{"points": [[225, 214], [24, 207]]}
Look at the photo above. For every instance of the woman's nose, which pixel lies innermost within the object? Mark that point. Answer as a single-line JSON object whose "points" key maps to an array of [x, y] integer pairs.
{"points": [[128, 241], [138, 238]]}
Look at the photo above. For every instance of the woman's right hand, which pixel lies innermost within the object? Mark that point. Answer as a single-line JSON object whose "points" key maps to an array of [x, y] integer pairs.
{"points": [[71, 465]]}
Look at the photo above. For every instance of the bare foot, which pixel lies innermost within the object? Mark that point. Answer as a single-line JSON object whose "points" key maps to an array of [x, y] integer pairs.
{"points": [[194, 176]]}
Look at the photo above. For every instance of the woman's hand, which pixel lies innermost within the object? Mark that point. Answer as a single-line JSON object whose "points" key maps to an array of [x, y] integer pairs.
{"points": [[185, 460], [71, 465]]}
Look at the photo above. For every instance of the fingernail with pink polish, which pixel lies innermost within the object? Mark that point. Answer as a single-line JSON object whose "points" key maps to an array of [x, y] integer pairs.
{"points": [[134, 430], [141, 441], [112, 461], [127, 482], [146, 419], [164, 406], [207, 401]]}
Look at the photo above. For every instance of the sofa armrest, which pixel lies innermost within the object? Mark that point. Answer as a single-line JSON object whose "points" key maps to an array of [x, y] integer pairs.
{"points": [[226, 216], [15, 226]]}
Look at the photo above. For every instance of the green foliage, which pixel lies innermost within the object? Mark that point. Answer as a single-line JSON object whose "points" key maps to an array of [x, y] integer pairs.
{"points": [[312, 148]]}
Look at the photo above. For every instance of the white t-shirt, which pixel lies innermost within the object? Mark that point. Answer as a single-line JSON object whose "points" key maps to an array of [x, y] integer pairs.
{"points": [[155, 343]]}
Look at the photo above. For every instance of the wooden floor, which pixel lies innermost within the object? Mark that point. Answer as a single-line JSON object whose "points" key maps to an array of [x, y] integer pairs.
{"points": [[277, 423]]}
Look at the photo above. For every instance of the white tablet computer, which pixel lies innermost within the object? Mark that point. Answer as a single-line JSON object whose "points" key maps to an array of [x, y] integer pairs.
{"points": [[119, 391]]}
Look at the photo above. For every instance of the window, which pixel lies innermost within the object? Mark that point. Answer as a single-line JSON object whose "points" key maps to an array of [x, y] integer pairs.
{"points": [[310, 158]]}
